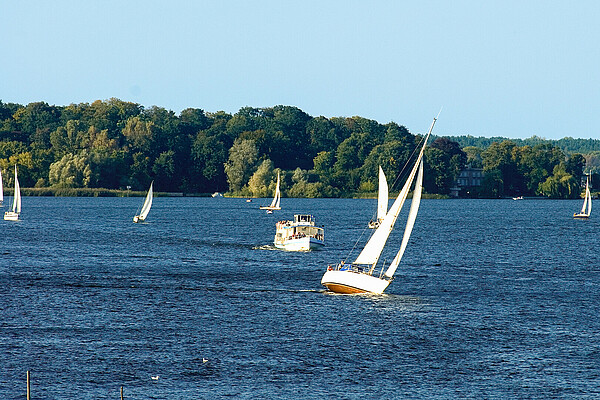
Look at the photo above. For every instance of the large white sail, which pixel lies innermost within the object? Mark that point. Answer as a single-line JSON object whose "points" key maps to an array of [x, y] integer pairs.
{"points": [[586, 209], [147, 203], [1, 188], [585, 201], [410, 223], [372, 250], [382, 199], [277, 197], [17, 199]]}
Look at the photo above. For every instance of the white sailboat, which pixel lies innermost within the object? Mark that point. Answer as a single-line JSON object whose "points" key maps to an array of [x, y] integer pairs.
{"points": [[276, 199], [141, 217], [382, 200], [360, 276], [586, 210], [13, 214]]}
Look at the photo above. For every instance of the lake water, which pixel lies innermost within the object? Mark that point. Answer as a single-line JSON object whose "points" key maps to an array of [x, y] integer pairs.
{"points": [[494, 299]]}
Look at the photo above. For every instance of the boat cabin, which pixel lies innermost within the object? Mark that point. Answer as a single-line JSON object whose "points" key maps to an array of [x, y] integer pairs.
{"points": [[304, 219], [302, 226]]}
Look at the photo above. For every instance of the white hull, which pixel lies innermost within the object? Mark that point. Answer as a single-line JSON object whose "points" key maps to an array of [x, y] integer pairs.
{"points": [[137, 219], [270, 208], [302, 244], [11, 216], [301, 234], [349, 282], [581, 215]]}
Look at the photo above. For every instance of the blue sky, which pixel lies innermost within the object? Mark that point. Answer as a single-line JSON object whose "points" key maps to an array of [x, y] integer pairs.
{"points": [[498, 68]]}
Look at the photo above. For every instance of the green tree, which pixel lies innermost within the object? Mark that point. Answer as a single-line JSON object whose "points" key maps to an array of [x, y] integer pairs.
{"points": [[323, 166], [37, 120], [69, 139], [574, 165], [391, 156], [108, 168], [209, 155], [240, 165], [70, 171], [492, 185], [443, 162], [323, 135], [164, 170], [561, 185], [112, 115], [138, 134], [499, 156], [474, 158], [192, 121], [139, 177], [259, 182]]}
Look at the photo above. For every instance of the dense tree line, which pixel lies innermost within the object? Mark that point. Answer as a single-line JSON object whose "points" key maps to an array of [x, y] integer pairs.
{"points": [[540, 170], [568, 145], [116, 144]]}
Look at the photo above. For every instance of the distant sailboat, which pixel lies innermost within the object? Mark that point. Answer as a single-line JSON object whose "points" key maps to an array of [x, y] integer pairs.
{"points": [[276, 199], [141, 217], [13, 214], [359, 276], [586, 210], [382, 200]]}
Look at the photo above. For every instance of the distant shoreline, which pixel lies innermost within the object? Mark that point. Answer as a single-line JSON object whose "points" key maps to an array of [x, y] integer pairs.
{"points": [[101, 192], [95, 192]]}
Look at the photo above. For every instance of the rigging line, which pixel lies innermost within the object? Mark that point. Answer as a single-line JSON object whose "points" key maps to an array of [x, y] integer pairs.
{"points": [[404, 167], [356, 242]]}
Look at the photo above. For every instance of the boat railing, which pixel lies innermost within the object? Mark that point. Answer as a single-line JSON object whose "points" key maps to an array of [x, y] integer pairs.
{"points": [[348, 267], [359, 269]]}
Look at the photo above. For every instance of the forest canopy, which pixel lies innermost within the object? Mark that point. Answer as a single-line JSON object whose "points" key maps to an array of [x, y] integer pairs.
{"points": [[115, 144]]}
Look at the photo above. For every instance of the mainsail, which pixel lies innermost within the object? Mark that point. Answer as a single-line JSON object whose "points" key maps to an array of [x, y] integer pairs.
{"points": [[277, 197], [147, 203], [1, 188], [588, 199], [16, 208]]}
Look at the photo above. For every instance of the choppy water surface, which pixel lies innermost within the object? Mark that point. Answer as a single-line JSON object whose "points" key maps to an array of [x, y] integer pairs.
{"points": [[493, 299]]}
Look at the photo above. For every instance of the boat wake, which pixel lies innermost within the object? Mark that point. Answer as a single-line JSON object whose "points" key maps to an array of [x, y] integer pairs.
{"points": [[265, 247]]}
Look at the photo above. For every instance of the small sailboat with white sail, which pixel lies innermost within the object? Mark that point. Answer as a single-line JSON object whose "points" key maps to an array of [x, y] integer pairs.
{"points": [[276, 199], [360, 276], [586, 210], [141, 217], [13, 213], [382, 200]]}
